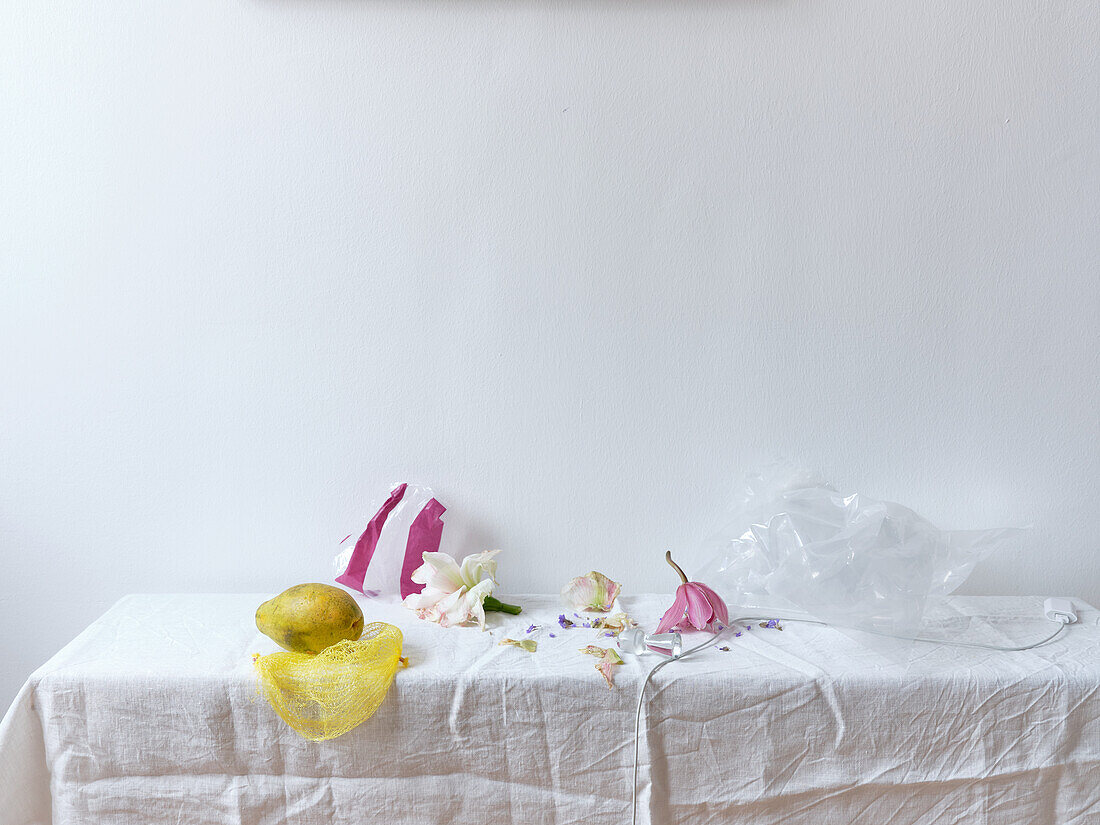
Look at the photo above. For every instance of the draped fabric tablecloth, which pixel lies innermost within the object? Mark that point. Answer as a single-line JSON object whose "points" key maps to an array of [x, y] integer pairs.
{"points": [[151, 715]]}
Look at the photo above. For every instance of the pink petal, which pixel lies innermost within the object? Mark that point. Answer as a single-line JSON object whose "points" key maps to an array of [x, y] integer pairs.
{"points": [[717, 603], [676, 612], [699, 611], [604, 667]]}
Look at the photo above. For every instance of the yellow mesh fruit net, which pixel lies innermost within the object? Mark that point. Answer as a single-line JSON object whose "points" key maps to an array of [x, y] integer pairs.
{"points": [[326, 695]]}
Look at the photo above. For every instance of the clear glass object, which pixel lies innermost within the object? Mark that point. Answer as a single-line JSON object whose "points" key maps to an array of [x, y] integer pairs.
{"points": [[636, 641]]}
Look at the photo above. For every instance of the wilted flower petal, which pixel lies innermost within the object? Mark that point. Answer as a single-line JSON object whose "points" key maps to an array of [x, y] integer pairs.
{"points": [[593, 591], [617, 623], [675, 613], [530, 645], [609, 657]]}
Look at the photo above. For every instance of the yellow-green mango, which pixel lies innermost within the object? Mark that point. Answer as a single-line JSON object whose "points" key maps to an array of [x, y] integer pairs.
{"points": [[307, 618]]}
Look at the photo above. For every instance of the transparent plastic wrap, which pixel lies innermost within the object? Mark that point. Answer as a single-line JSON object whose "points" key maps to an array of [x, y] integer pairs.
{"points": [[790, 539]]}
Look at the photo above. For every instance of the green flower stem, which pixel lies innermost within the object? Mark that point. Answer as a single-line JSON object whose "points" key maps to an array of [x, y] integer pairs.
{"points": [[496, 604]]}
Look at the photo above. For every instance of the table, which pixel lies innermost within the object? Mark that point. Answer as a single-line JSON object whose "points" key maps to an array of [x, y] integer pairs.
{"points": [[151, 715]]}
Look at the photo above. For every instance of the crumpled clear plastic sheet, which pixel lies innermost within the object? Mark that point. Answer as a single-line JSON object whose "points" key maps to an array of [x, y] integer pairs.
{"points": [[791, 539]]}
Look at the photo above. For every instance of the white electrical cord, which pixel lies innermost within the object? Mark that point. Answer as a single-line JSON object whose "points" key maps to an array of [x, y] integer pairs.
{"points": [[1061, 626], [738, 621]]}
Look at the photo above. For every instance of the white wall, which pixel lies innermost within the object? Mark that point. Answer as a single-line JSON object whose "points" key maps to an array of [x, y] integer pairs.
{"points": [[574, 264]]}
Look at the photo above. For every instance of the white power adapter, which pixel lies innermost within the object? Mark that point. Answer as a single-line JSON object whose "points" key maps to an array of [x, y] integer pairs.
{"points": [[1060, 610]]}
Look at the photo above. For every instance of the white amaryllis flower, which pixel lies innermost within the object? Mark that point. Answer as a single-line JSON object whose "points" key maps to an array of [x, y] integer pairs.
{"points": [[455, 594]]}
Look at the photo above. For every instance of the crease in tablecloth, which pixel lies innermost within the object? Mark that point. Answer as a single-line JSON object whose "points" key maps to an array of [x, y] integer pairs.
{"points": [[152, 715], [24, 775]]}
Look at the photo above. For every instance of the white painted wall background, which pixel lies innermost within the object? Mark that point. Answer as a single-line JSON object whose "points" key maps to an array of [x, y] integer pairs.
{"points": [[575, 264]]}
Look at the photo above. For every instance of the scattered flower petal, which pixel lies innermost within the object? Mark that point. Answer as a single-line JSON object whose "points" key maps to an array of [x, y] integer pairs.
{"points": [[530, 645], [564, 622], [604, 667], [617, 623], [593, 591], [609, 657]]}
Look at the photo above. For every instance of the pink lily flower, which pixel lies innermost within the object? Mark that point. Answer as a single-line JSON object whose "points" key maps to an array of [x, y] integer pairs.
{"points": [[701, 605]]}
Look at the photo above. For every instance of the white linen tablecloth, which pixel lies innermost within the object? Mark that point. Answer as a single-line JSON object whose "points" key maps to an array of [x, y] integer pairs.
{"points": [[151, 715]]}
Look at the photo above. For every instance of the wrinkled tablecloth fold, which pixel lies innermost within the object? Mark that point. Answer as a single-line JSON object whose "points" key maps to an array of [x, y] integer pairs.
{"points": [[152, 716]]}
